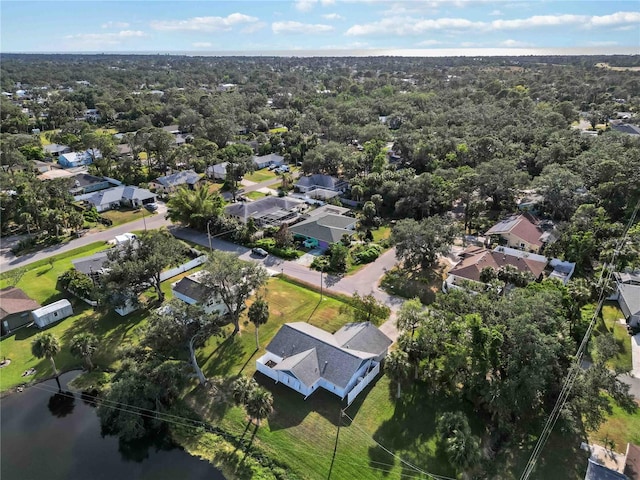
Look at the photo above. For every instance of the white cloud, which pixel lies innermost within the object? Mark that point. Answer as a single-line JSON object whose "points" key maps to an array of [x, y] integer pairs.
{"points": [[113, 38], [307, 5], [298, 27], [115, 25], [615, 19], [204, 24], [514, 43], [496, 13], [408, 25], [201, 44], [332, 16], [428, 43]]}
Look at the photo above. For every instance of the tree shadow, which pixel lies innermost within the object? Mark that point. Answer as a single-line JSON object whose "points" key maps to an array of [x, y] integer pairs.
{"points": [[249, 358], [222, 359], [137, 450]]}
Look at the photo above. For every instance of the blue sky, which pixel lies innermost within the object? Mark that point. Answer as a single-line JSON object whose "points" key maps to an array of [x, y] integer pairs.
{"points": [[253, 26]]}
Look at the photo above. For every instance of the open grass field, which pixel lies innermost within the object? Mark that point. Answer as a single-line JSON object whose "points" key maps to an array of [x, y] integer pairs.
{"points": [[261, 176], [620, 427]]}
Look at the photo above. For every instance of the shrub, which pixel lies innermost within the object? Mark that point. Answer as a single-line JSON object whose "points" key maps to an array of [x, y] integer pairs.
{"points": [[366, 253], [286, 253], [78, 283]]}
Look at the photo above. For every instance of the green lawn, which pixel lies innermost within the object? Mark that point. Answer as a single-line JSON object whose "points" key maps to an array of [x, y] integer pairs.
{"points": [[261, 176], [255, 195], [620, 427], [39, 282], [122, 216], [609, 322], [381, 233]]}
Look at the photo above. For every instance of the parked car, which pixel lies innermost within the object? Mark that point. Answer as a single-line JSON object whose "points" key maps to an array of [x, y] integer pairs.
{"points": [[271, 166], [282, 169], [152, 207], [259, 251]]}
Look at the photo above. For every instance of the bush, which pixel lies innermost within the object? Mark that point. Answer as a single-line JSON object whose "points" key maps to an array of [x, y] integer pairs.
{"points": [[269, 244], [24, 244], [91, 215], [366, 253], [78, 283]]}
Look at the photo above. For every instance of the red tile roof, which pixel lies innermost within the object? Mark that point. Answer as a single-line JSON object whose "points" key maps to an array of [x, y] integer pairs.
{"points": [[521, 226], [479, 258], [13, 300]]}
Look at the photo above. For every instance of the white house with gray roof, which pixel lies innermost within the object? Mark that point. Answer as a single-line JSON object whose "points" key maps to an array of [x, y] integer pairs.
{"points": [[628, 296], [115, 197], [306, 358]]}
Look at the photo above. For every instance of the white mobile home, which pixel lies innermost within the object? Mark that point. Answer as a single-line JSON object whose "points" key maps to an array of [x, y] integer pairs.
{"points": [[52, 313]]}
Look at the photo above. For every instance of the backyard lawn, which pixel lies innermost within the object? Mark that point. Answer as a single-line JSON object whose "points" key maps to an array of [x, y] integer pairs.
{"points": [[255, 195], [609, 322]]}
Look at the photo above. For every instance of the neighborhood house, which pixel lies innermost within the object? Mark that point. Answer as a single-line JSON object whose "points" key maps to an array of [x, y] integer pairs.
{"points": [[325, 225], [267, 211], [78, 159], [170, 183], [15, 307], [321, 186], [117, 197], [305, 358], [628, 296], [190, 290], [519, 231], [266, 160]]}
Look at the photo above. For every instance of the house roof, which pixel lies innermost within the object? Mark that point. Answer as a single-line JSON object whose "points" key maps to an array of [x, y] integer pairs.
{"points": [[629, 299], [625, 128], [56, 148], [84, 179], [324, 209], [595, 471], [136, 193], [478, 258], [271, 158], [629, 278], [179, 178], [273, 207], [520, 226], [319, 180], [116, 194], [297, 343], [327, 228], [56, 173], [632, 463], [362, 336], [90, 264], [13, 300], [192, 288]]}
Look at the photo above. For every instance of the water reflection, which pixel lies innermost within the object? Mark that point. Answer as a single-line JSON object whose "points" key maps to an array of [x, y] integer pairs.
{"points": [[61, 404], [49, 424]]}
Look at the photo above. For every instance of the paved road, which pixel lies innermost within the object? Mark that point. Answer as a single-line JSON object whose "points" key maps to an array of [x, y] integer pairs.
{"points": [[8, 261], [364, 281]]}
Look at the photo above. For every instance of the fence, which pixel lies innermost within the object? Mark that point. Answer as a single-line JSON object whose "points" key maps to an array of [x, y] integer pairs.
{"points": [[363, 383], [183, 268]]}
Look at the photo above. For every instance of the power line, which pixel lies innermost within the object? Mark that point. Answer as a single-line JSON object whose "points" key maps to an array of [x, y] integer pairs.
{"points": [[572, 375]]}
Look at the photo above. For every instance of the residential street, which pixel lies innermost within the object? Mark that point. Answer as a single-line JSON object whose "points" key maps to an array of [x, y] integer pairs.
{"points": [[8, 261]]}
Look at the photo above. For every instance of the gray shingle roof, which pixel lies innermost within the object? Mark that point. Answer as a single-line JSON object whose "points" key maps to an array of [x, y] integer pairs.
{"points": [[91, 264], [191, 288], [629, 299], [320, 180], [326, 228], [135, 193], [595, 471], [298, 343], [179, 178], [363, 336]]}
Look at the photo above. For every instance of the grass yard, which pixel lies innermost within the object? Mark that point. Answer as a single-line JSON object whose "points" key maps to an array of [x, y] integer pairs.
{"points": [[255, 195], [122, 216], [382, 233], [39, 281], [620, 427], [261, 175], [609, 322]]}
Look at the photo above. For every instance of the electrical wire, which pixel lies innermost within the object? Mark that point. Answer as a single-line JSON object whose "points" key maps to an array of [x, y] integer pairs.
{"points": [[572, 375]]}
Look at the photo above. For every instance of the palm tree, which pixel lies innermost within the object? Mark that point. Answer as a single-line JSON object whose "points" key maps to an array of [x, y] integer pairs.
{"points": [[397, 367], [258, 315], [194, 207], [241, 389], [46, 345], [259, 404], [287, 181], [83, 345]]}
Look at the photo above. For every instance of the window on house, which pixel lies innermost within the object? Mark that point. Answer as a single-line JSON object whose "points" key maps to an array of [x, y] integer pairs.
{"points": [[55, 314]]}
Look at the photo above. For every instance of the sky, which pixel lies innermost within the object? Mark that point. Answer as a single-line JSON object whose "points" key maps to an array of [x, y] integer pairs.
{"points": [[376, 26]]}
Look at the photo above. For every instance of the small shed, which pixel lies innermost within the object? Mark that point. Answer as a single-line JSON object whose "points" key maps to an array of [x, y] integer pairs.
{"points": [[52, 313]]}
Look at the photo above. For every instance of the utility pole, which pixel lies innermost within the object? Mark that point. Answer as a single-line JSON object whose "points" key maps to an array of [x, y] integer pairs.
{"points": [[321, 272], [144, 220], [209, 236]]}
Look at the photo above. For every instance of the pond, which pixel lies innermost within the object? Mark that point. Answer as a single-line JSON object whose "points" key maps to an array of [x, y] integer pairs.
{"points": [[46, 434]]}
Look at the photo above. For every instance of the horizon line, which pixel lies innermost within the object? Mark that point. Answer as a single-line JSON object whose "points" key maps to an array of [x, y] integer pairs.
{"points": [[377, 52]]}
